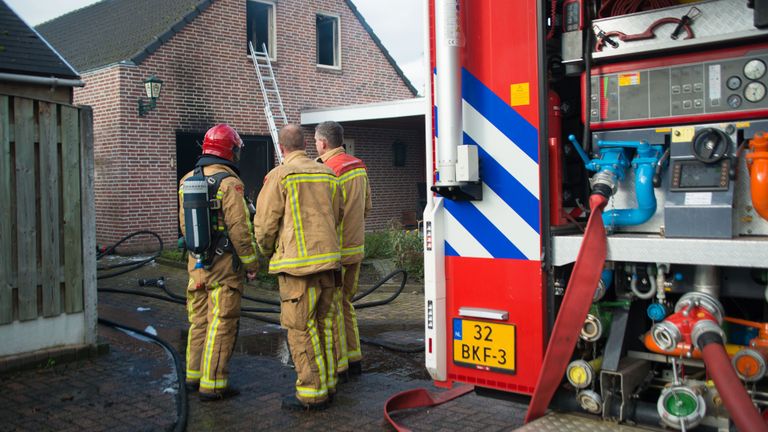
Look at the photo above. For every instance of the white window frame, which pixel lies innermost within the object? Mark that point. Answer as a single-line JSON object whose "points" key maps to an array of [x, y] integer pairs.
{"points": [[272, 28], [349, 146], [337, 53]]}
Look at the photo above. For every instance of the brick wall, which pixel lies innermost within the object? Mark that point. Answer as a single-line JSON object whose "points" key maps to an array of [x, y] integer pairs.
{"points": [[208, 79], [393, 189]]}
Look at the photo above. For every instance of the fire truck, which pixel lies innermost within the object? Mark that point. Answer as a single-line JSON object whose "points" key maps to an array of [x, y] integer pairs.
{"points": [[597, 233]]}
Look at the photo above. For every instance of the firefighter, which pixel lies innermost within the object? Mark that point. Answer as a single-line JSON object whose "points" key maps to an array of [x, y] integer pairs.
{"points": [[297, 213], [216, 284], [356, 195]]}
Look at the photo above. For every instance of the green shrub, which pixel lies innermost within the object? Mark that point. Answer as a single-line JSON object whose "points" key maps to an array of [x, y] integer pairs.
{"points": [[378, 245], [403, 247], [408, 252]]}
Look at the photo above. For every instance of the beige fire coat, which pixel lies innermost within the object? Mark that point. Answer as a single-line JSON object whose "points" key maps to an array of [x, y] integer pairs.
{"points": [[297, 214], [356, 195]]}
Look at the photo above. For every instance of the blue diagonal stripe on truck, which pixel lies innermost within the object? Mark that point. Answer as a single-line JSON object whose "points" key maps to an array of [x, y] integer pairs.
{"points": [[507, 187], [498, 112], [489, 235]]}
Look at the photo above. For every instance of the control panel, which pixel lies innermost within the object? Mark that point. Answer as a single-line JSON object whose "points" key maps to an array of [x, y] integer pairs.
{"points": [[711, 86], [699, 198]]}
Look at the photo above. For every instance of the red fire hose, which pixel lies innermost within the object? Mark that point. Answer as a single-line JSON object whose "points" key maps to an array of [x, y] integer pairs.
{"points": [[420, 398], [735, 397], [573, 310]]}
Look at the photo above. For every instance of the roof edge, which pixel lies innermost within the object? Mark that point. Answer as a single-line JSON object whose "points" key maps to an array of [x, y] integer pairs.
{"points": [[381, 46], [359, 112], [75, 74], [164, 37]]}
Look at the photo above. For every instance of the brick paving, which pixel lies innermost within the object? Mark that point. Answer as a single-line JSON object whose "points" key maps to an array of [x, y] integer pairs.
{"points": [[132, 387]]}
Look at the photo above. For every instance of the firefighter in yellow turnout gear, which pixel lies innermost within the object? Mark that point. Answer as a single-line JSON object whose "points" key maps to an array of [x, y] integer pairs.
{"points": [[356, 195], [214, 291], [297, 214]]}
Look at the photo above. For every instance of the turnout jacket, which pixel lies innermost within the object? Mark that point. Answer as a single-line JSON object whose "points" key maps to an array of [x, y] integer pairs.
{"points": [[233, 216], [297, 214], [356, 196]]}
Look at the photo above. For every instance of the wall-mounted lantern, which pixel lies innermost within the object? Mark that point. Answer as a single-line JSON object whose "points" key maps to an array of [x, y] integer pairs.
{"points": [[152, 85]]}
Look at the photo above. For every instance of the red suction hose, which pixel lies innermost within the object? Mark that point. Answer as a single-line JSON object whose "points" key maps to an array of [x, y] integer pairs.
{"points": [[573, 310], [733, 393], [420, 398]]}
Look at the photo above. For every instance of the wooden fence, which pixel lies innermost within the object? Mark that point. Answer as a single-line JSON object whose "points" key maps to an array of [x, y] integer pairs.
{"points": [[47, 239]]}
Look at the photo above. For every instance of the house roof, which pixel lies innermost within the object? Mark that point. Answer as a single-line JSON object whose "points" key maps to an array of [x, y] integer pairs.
{"points": [[86, 37], [23, 51], [113, 31]]}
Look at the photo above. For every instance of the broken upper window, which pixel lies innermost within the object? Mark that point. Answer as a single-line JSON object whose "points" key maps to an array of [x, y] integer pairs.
{"points": [[261, 26], [328, 46]]}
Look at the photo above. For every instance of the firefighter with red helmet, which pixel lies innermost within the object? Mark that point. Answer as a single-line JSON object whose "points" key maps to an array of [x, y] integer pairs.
{"points": [[217, 270], [356, 196], [297, 214]]}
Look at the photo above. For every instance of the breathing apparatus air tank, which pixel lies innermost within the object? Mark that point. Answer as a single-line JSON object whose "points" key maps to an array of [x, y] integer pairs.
{"points": [[197, 216]]}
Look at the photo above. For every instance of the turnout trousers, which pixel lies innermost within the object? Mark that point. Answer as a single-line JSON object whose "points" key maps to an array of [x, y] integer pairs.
{"points": [[307, 312], [348, 335], [213, 310]]}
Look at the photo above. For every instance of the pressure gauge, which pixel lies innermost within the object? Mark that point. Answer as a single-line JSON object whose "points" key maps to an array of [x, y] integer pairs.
{"points": [[754, 69], [734, 101], [754, 91], [733, 82]]}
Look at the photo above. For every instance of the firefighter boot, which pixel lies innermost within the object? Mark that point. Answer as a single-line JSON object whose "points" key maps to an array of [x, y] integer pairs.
{"points": [[226, 393], [355, 368], [291, 403]]}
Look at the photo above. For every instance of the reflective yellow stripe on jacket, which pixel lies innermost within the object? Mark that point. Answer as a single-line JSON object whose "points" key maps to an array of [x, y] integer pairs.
{"points": [[287, 263], [291, 184]]}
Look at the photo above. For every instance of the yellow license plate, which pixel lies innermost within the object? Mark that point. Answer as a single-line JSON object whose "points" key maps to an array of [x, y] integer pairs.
{"points": [[483, 345]]}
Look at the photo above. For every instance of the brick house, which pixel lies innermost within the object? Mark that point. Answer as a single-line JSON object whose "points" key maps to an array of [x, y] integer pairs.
{"points": [[324, 55]]}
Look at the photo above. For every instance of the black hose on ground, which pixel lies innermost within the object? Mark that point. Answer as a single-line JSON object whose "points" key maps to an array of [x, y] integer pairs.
{"points": [[182, 407], [249, 313], [379, 284], [131, 266], [246, 312]]}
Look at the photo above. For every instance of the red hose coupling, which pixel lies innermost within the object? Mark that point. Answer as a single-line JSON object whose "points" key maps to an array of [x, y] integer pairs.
{"points": [[695, 313]]}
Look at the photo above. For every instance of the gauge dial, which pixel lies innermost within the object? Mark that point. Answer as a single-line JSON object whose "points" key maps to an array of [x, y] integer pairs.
{"points": [[754, 69], [754, 92], [733, 82], [734, 101]]}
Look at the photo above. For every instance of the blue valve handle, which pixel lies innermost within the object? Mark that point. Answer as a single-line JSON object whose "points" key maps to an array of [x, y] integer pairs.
{"points": [[579, 150]]}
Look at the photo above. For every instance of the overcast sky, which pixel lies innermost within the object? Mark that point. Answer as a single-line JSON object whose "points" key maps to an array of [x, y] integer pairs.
{"points": [[398, 23]]}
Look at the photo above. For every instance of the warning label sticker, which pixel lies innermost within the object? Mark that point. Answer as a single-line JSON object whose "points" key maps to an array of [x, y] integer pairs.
{"points": [[629, 79], [520, 94]]}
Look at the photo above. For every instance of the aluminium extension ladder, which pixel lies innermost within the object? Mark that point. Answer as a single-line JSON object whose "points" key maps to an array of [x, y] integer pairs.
{"points": [[273, 103]]}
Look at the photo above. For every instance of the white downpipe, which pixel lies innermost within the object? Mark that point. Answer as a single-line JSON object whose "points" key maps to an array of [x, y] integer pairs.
{"points": [[448, 43], [435, 340]]}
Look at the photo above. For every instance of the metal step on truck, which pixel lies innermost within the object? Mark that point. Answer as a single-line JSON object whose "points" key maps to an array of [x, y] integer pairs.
{"points": [[596, 236]]}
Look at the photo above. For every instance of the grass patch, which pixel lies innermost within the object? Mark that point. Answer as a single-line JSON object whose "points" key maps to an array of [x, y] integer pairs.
{"points": [[174, 255]]}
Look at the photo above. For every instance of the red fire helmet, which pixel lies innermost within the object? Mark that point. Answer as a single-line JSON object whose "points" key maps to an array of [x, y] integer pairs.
{"points": [[222, 140]]}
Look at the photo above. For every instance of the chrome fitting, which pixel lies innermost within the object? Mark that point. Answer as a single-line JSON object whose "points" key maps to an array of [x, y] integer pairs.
{"points": [[592, 329], [702, 327], [703, 300], [666, 335]]}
